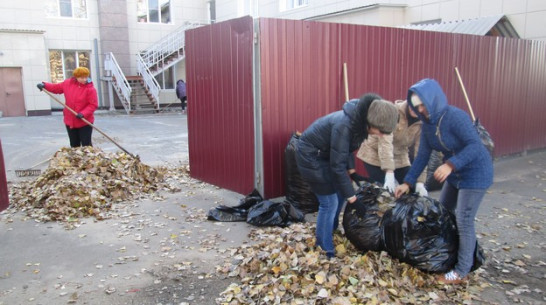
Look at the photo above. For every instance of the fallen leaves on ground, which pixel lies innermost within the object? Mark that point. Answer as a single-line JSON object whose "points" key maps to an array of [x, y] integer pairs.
{"points": [[86, 181], [284, 267]]}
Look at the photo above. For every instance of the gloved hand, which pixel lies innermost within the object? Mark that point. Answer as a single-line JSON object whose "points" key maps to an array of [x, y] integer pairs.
{"points": [[40, 86], [79, 115], [390, 182], [420, 189], [357, 178]]}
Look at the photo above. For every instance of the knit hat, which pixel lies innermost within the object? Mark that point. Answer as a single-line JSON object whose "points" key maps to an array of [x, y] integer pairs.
{"points": [[383, 115], [415, 100], [80, 72]]}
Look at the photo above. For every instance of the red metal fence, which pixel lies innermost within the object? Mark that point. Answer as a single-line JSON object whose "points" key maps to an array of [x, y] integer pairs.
{"points": [[301, 79]]}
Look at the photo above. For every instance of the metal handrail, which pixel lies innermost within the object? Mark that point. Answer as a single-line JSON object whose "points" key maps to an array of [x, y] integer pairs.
{"points": [[120, 82], [150, 83], [168, 45]]}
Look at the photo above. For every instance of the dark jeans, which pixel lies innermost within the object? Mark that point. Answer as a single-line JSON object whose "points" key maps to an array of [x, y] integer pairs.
{"points": [[80, 136], [183, 100], [378, 175]]}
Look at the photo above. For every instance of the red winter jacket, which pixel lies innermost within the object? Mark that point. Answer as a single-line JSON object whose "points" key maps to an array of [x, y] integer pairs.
{"points": [[81, 98]]}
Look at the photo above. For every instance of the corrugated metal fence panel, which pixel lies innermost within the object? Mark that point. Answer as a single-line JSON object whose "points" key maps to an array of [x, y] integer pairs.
{"points": [[302, 79], [220, 104], [535, 105]]}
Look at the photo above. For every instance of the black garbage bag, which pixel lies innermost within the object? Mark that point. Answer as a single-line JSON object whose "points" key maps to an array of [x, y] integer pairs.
{"points": [[485, 137], [269, 213], [249, 200], [298, 192], [235, 213], [227, 214], [422, 233], [436, 159], [362, 220]]}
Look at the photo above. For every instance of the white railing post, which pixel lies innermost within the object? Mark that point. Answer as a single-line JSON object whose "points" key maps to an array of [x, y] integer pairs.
{"points": [[149, 80], [121, 85]]}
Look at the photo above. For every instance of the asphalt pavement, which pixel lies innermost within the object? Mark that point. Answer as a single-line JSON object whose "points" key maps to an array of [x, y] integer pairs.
{"points": [[104, 262]]}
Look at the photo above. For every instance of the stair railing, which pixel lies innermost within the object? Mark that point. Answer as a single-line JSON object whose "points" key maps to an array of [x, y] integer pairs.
{"points": [[120, 83], [167, 46], [150, 83]]}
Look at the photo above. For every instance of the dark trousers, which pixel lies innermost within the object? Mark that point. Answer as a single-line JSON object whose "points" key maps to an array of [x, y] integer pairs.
{"points": [[183, 100], [378, 175], [80, 136]]}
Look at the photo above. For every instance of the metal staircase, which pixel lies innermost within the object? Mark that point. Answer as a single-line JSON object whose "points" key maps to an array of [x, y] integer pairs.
{"points": [[141, 92]]}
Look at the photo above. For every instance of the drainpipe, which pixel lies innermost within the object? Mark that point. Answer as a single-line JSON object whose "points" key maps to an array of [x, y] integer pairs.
{"points": [[97, 68]]}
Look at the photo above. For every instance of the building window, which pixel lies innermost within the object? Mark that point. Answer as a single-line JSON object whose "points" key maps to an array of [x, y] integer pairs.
{"points": [[63, 63], [154, 11], [66, 8], [166, 78], [290, 4]]}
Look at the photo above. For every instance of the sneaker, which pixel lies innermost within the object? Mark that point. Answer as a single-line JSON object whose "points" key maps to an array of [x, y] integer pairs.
{"points": [[450, 278]]}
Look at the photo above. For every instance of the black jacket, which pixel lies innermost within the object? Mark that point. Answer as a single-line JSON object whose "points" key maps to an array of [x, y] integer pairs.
{"points": [[324, 151]]}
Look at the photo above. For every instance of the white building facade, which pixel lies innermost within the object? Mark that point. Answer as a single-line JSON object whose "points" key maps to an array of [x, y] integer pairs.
{"points": [[44, 40]]}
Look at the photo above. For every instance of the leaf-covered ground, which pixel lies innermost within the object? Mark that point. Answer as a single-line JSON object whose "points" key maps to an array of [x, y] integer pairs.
{"points": [[283, 267]]}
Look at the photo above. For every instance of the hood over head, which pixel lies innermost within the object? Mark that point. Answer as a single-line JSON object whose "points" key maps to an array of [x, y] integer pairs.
{"points": [[432, 96]]}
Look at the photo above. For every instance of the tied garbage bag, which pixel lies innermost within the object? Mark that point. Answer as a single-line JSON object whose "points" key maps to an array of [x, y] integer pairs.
{"points": [[269, 213], [235, 213], [362, 219], [298, 192], [422, 233]]}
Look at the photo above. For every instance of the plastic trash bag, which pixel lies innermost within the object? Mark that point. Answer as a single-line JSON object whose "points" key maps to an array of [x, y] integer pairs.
{"points": [[422, 233], [235, 213], [298, 192], [227, 214], [431, 184], [362, 220], [485, 137], [269, 213]]}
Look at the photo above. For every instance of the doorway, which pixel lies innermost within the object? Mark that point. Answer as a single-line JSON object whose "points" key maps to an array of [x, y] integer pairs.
{"points": [[12, 99]]}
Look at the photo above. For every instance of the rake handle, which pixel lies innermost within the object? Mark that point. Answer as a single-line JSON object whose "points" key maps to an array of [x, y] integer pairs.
{"points": [[88, 123]]}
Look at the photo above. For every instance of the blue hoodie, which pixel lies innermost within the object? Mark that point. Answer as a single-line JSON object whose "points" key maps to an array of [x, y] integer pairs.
{"points": [[450, 131]]}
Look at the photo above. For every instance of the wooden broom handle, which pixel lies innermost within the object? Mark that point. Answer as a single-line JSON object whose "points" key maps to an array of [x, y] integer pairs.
{"points": [[345, 81], [465, 95]]}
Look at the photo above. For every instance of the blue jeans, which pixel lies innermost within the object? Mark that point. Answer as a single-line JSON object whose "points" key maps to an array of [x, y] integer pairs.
{"points": [[464, 203], [327, 221]]}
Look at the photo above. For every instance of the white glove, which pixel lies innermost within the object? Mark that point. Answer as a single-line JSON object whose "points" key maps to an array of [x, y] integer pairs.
{"points": [[390, 182], [420, 189]]}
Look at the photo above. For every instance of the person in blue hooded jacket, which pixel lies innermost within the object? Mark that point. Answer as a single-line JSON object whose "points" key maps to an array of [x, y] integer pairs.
{"points": [[324, 157], [467, 167]]}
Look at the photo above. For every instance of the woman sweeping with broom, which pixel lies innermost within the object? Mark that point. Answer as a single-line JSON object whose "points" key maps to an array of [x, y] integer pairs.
{"points": [[80, 95]]}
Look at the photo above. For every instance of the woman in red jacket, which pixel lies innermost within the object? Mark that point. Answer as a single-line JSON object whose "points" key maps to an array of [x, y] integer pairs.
{"points": [[81, 96]]}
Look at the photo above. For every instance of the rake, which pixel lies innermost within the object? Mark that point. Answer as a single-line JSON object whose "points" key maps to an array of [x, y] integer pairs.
{"points": [[30, 172]]}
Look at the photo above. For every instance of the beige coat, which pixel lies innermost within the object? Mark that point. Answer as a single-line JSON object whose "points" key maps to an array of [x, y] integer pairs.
{"points": [[392, 151]]}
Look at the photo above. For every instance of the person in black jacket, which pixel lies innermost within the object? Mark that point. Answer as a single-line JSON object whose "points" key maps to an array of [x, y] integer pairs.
{"points": [[324, 156]]}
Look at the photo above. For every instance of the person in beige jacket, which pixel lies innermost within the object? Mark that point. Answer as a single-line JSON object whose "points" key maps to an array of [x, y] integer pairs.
{"points": [[386, 158]]}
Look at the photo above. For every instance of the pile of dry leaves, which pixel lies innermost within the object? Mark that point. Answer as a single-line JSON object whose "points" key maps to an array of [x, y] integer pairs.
{"points": [[283, 267], [86, 181]]}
